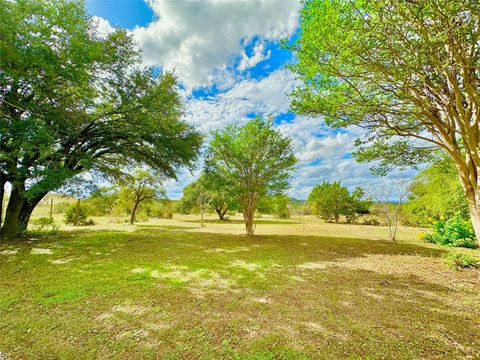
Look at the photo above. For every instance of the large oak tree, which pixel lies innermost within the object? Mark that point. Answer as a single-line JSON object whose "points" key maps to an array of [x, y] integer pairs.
{"points": [[73, 99], [406, 71]]}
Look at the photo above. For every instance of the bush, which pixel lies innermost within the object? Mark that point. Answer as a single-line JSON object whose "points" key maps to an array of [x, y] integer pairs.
{"points": [[455, 232], [456, 261], [77, 215], [371, 221], [44, 226], [162, 209]]}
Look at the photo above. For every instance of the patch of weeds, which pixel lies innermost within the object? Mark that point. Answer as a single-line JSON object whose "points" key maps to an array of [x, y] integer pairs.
{"points": [[458, 261], [44, 226], [61, 296], [455, 232], [139, 277], [175, 282]]}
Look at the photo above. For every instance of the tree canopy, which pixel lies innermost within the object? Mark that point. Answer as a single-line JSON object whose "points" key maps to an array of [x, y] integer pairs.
{"points": [[436, 193], [209, 191], [73, 99], [332, 200], [254, 160], [406, 72], [139, 187]]}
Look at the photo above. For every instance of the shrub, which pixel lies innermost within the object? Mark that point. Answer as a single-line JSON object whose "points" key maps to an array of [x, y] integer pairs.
{"points": [[455, 232], [457, 261], [44, 226], [371, 221], [77, 215]]}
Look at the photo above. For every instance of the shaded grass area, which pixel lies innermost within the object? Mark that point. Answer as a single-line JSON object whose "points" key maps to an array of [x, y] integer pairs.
{"points": [[163, 293]]}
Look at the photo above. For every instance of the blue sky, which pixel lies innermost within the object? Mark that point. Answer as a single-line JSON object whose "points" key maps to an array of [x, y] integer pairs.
{"points": [[227, 56]]}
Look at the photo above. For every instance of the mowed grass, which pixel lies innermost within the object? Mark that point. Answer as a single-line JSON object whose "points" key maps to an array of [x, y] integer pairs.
{"points": [[169, 293]]}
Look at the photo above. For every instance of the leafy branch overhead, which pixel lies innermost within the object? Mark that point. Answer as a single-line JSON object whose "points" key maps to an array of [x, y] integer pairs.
{"points": [[407, 73]]}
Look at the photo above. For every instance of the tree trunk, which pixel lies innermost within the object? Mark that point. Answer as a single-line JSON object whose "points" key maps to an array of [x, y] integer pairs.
{"points": [[469, 181], [475, 217], [222, 217], [2, 193], [11, 228], [202, 212], [221, 213], [249, 213], [134, 210], [27, 209]]}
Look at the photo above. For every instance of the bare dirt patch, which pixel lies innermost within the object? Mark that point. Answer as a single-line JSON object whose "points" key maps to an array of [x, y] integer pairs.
{"points": [[130, 309]]}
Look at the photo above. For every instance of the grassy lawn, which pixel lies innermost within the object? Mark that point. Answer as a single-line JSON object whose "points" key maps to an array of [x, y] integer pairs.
{"points": [[165, 291]]}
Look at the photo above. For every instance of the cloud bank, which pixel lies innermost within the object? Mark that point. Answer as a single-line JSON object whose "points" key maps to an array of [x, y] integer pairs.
{"points": [[199, 38]]}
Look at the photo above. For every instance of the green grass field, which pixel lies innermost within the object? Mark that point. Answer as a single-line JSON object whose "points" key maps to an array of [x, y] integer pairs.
{"points": [[169, 290]]}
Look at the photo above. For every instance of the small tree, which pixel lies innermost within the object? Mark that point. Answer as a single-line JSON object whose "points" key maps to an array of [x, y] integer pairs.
{"points": [[140, 187], [389, 207], [329, 200], [221, 196], [332, 200], [195, 199], [254, 160]]}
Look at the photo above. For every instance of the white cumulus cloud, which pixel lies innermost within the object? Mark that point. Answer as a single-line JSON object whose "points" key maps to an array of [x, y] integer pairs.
{"points": [[200, 38], [259, 55]]}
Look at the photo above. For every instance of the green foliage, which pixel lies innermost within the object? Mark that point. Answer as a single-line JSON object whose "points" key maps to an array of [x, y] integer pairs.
{"points": [[456, 232], [141, 187], [457, 261], [159, 208], [435, 193], [332, 200], [193, 194], [101, 202], [254, 160], [75, 100], [44, 226], [208, 191], [277, 205], [76, 215], [383, 65]]}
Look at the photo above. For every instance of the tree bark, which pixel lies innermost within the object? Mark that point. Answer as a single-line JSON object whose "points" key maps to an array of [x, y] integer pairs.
{"points": [[474, 215], [134, 210], [221, 213], [249, 208], [27, 209], [469, 179], [11, 225], [2, 194]]}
